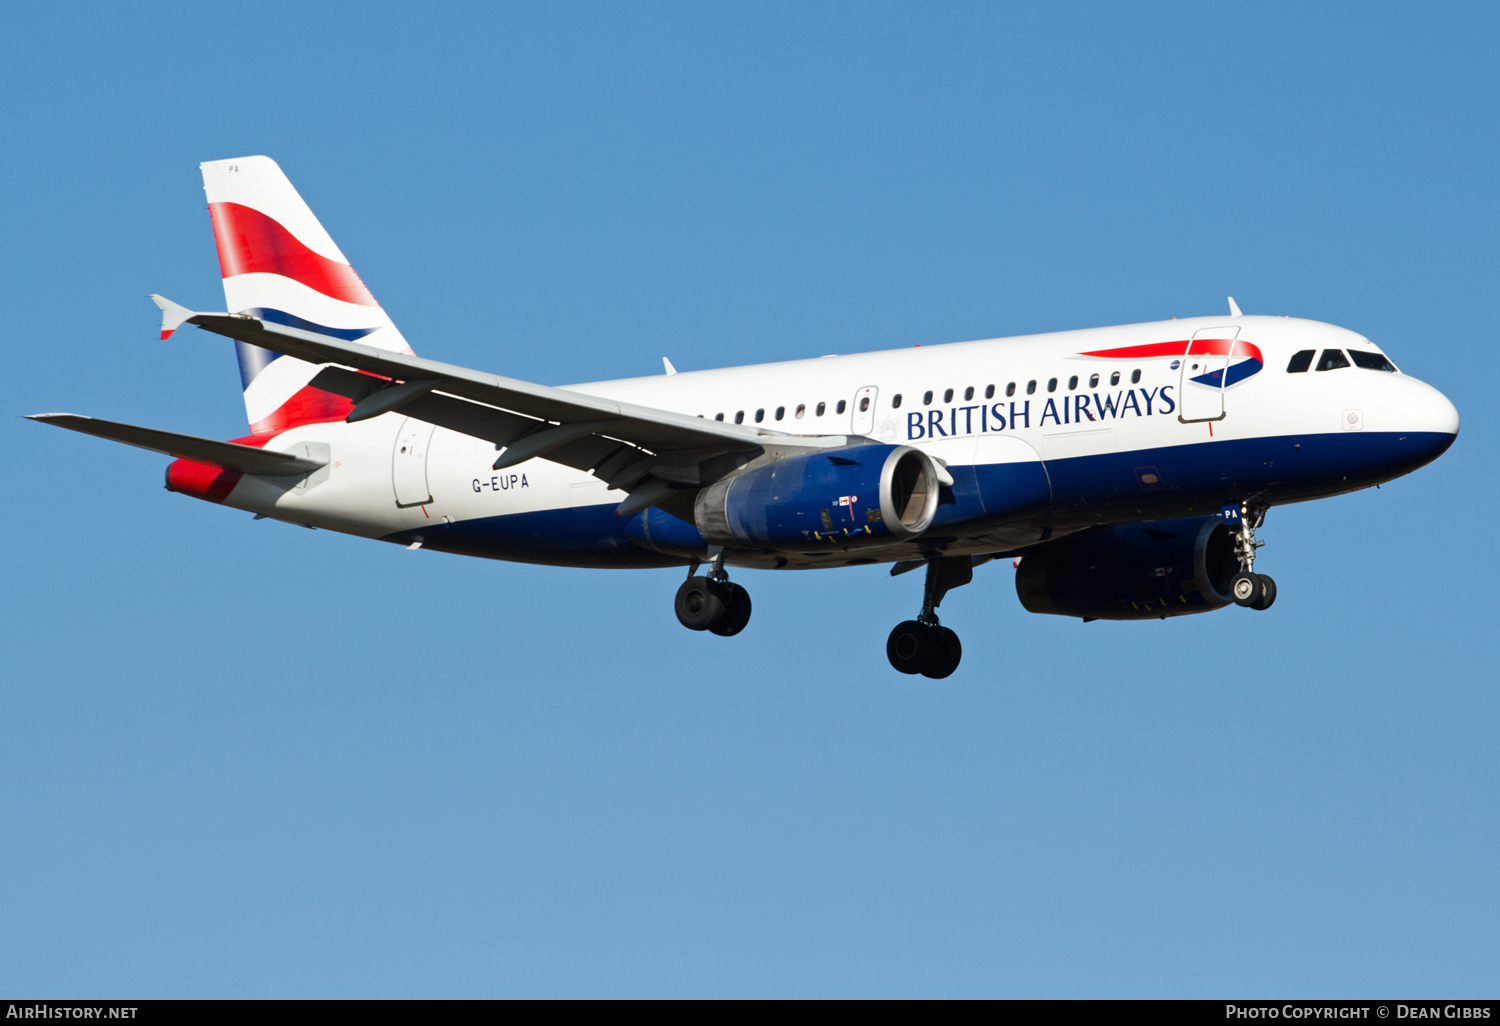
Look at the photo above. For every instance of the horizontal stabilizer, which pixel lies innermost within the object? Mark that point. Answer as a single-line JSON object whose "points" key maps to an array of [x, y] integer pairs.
{"points": [[247, 459]]}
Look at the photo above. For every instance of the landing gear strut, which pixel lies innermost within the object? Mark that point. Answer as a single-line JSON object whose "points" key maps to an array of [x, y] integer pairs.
{"points": [[712, 603], [1249, 589], [923, 645]]}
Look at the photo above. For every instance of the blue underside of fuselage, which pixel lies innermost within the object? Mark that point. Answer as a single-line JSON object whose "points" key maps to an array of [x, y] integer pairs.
{"points": [[1144, 484]]}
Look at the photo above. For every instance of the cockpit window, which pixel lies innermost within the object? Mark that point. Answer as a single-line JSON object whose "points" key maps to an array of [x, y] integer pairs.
{"points": [[1332, 359], [1301, 361], [1371, 361]]}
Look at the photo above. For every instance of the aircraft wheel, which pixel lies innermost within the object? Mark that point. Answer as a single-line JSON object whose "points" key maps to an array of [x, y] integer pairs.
{"points": [[913, 646], [949, 652], [700, 603], [1245, 589], [1267, 593], [736, 613]]}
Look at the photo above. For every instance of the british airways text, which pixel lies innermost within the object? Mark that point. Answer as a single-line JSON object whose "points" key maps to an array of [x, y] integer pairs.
{"points": [[1069, 409]]}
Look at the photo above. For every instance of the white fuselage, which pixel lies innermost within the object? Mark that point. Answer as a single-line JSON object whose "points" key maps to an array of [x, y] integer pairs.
{"points": [[1112, 452]]}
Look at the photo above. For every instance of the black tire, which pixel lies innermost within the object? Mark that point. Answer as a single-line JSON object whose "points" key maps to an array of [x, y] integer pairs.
{"points": [[736, 613], [949, 652], [1267, 593], [700, 603], [1245, 589], [911, 647]]}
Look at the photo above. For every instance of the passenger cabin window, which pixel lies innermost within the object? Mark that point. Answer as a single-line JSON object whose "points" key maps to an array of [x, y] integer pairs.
{"points": [[968, 393], [1093, 381], [1010, 389], [1301, 361], [989, 391], [896, 401], [760, 415], [1371, 361], [927, 399], [841, 407], [1052, 384], [948, 396], [801, 410], [821, 408], [718, 416], [864, 404], [780, 412], [1114, 379], [1332, 359], [1135, 377], [739, 418], [1031, 387], [1073, 382]]}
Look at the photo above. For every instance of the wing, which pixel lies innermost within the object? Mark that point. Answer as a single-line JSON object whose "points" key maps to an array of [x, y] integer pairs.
{"points": [[653, 454], [225, 455]]}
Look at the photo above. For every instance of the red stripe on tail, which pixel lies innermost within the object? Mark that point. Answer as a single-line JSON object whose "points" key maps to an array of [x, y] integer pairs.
{"points": [[308, 406], [251, 243]]}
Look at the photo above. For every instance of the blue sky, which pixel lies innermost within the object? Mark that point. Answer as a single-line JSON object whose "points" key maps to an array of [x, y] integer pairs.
{"points": [[243, 759]]}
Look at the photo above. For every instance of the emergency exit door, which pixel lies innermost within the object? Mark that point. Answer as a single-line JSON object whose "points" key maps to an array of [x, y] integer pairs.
{"points": [[864, 410]]}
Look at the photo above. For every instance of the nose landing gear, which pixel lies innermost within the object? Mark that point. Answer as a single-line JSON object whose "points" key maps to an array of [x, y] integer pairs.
{"points": [[923, 645], [712, 603], [1249, 589]]}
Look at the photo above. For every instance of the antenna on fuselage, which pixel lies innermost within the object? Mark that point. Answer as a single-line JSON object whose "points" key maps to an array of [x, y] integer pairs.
{"points": [[1234, 308]]}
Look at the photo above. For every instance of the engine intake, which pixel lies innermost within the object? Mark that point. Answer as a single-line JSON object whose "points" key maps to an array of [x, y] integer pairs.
{"points": [[854, 496], [1133, 571]]}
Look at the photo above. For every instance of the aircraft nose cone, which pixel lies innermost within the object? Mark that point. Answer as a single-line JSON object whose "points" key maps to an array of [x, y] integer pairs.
{"points": [[1429, 423], [1442, 414], [1427, 410]]}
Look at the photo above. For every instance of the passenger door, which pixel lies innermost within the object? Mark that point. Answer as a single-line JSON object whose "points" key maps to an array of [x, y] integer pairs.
{"points": [[864, 410], [1201, 388], [409, 463]]}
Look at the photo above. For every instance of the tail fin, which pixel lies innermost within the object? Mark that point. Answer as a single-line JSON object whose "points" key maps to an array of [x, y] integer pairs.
{"points": [[280, 265]]}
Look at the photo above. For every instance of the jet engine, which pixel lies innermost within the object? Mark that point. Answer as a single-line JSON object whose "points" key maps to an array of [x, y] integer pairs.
{"points": [[853, 496], [1136, 571]]}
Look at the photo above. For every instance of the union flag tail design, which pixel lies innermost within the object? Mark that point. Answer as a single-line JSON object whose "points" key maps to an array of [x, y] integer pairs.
{"points": [[281, 266]]}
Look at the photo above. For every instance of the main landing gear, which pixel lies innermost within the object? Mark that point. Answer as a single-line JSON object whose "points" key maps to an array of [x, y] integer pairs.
{"points": [[1250, 589], [712, 603], [923, 645]]}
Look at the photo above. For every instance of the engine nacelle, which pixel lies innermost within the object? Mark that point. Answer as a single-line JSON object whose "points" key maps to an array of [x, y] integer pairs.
{"points": [[1133, 571], [853, 496]]}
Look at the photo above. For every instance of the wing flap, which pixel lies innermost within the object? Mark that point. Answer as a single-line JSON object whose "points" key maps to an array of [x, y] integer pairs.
{"points": [[225, 455], [469, 418]]}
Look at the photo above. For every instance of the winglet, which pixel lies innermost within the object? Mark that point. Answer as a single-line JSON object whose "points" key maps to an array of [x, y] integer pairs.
{"points": [[667, 364], [172, 315], [1234, 308]]}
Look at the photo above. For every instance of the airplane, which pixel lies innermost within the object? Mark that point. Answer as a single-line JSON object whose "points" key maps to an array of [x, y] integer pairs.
{"points": [[1125, 470]]}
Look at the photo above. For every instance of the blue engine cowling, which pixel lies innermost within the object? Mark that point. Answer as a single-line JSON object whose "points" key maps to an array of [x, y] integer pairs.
{"points": [[852, 496], [1138, 571]]}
